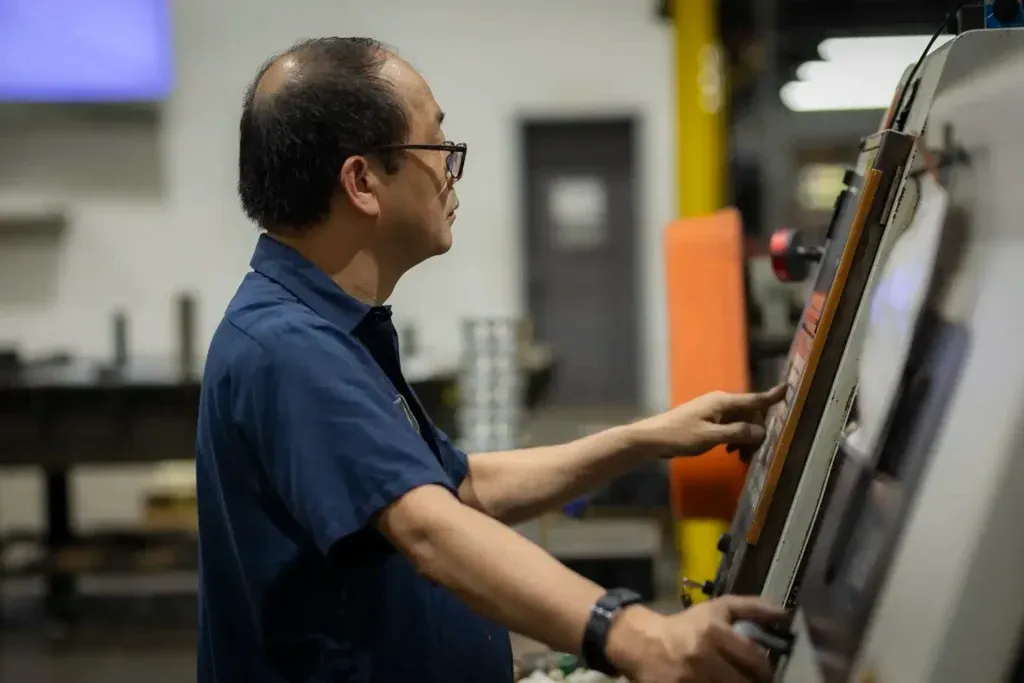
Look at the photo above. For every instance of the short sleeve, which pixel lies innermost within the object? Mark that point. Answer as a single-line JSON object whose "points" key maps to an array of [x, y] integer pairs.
{"points": [[458, 461], [332, 439]]}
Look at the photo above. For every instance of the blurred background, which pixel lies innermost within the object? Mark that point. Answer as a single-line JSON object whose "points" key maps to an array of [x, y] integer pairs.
{"points": [[592, 125]]}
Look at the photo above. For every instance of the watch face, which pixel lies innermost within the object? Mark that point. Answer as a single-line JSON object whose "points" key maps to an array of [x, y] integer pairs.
{"points": [[624, 597]]}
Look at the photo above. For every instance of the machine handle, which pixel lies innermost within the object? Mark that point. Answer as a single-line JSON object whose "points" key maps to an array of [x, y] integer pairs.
{"points": [[790, 258], [778, 644]]}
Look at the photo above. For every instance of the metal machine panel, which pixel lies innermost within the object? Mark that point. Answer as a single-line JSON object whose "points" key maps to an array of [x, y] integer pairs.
{"points": [[915, 571], [871, 500]]}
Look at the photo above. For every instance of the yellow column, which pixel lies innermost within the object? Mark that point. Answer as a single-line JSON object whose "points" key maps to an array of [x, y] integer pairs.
{"points": [[700, 111], [701, 100]]}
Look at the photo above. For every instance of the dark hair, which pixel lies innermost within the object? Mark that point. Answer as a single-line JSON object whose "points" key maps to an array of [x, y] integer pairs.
{"points": [[293, 142]]}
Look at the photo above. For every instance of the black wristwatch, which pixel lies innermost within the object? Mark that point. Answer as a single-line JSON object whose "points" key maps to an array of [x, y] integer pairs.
{"points": [[595, 638]]}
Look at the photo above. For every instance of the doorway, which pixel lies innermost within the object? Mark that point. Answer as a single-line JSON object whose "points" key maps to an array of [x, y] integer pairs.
{"points": [[580, 255]]}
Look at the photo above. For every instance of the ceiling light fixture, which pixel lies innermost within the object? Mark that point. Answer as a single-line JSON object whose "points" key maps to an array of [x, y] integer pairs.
{"points": [[854, 73]]}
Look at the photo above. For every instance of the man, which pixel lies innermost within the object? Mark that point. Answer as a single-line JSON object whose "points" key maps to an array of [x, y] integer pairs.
{"points": [[343, 537]]}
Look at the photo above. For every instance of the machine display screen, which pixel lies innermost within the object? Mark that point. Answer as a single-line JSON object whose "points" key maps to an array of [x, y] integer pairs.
{"points": [[799, 350], [861, 527], [1018, 668], [868, 540]]}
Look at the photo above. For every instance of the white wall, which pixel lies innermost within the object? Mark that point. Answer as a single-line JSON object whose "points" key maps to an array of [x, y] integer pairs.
{"points": [[154, 211]]}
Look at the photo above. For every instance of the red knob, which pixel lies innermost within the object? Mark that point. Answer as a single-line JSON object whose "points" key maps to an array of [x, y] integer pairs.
{"points": [[782, 254]]}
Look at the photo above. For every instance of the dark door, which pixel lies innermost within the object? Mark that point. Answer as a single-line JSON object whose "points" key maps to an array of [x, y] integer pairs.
{"points": [[581, 256]]}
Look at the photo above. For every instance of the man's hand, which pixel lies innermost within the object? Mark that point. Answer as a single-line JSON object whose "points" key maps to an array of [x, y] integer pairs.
{"points": [[692, 646], [709, 420]]}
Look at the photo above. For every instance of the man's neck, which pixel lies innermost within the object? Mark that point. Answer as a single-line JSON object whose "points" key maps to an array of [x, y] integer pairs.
{"points": [[363, 278], [357, 270]]}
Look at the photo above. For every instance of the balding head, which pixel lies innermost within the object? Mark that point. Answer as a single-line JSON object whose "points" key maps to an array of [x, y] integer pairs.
{"points": [[307, 111], [279, 71]]}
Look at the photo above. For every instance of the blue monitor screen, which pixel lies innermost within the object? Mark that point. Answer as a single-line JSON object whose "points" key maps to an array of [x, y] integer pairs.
{"points": [[85, 50]]}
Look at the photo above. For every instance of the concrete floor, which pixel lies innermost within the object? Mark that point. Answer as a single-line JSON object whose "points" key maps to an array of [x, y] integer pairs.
{"points": [[168, 664], [164, 658], [41, 666]]}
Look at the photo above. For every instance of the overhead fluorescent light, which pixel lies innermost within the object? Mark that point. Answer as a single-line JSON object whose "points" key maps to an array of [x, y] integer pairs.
{"points": [[832, 96], [876, 49], [854, 73], [855, 76], [825, 86]]}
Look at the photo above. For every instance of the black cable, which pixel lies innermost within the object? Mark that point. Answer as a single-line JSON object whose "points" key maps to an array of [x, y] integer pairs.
{"points": [[917, 65]]}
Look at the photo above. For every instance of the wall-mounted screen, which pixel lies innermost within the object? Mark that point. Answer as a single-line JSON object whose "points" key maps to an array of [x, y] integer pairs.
{"points": [[67, 51]]}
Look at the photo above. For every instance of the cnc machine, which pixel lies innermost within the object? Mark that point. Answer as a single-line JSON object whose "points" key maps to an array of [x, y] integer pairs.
{"points": [[789, 479], [915, 575]]}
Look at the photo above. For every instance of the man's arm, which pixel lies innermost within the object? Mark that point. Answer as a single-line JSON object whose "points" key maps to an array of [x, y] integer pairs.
{"points": [[342, 457], [515, 486], [507, 579]]}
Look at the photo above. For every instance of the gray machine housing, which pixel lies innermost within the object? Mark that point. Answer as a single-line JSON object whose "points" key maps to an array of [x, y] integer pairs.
{"points": [[960, 59], [939, 597]]}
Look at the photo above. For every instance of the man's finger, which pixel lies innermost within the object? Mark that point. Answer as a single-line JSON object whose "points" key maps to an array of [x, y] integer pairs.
{"points": [[760, 401], [769, 398], [740, 434], [743, 652], [752, 608]]}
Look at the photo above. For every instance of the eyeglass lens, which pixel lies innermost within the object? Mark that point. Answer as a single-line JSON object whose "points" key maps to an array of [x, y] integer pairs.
{"points": [[454, 163]]}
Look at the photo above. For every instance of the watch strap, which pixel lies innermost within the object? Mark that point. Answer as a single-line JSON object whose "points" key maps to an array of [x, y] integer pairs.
{"points": [[602, 616]]}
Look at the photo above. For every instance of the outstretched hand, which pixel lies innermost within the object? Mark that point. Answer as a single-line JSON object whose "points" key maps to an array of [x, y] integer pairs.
{"points": [[697, 644], [710, 420]]}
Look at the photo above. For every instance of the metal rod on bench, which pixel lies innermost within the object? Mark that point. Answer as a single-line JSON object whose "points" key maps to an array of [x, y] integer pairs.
{"points": [[120, 340], [186, 309]]}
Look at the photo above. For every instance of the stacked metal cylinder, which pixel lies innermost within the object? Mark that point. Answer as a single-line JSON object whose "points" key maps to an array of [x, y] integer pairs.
{"points": [[491, 385]]}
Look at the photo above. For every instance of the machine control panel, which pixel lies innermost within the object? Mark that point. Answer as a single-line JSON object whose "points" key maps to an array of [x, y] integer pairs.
{"points": [[842, 274]]}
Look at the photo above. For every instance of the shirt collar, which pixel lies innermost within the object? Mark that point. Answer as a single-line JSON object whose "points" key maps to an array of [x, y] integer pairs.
{"points": [[309, 284]]}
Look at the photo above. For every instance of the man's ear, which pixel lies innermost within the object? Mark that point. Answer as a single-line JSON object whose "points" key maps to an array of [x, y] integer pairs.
{"points": [[360, 183]]}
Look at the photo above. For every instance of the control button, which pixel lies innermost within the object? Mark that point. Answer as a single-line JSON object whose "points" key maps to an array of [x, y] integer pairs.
{"points": [[724, 543], [705, 587], [1006, 11]]}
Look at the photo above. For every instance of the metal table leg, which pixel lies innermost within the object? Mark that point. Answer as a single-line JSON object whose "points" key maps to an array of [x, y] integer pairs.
{"points": [[60, 589]]}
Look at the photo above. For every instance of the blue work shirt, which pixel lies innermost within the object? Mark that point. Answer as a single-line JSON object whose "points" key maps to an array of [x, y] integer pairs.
{"points": [[307, 429]]}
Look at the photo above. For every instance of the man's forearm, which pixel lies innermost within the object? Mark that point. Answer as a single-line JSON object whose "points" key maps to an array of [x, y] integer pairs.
{"points": [[498, 573], [515, 486]]}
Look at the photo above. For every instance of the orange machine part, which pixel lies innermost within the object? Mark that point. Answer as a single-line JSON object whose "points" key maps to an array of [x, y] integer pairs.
{"points": [[707, 328]]}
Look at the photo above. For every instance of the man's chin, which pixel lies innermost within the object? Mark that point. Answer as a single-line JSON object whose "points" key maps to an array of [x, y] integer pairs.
{"points": [[444, 241], [443, 247]]}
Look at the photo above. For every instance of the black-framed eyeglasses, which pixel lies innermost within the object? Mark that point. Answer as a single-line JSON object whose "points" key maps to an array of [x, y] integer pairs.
{"points": [[455, 162]]}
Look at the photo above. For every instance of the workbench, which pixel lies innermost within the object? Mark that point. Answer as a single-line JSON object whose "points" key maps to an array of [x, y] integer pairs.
{"points": [[59, 416]]}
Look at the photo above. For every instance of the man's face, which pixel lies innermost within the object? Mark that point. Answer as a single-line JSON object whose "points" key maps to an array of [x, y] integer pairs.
{"points": [[418, 203]]}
